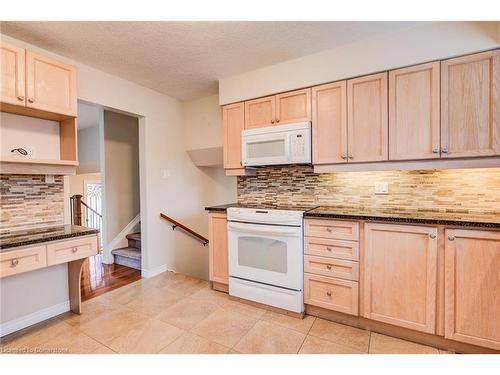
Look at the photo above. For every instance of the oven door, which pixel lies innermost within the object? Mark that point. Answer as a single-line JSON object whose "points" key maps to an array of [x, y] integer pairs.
{"points": [[268, 254]]}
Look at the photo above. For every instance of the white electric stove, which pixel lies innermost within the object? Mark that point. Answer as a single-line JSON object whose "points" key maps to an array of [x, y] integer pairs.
{"points": [[266, 261]]}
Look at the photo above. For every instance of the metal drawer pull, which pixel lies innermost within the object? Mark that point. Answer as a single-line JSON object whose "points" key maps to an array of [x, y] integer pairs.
{"points": [[329, 248], [432, 235], [329, 294], [74, 249], [14, 262], [451, 238], [329, 266], [20, 98], [31, 100], [329, 230], [435, 150], [444, 150]]}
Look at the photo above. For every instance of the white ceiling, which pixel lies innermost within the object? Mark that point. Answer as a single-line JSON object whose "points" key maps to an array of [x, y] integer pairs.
{"points": [[186, 59], [88, 115]]}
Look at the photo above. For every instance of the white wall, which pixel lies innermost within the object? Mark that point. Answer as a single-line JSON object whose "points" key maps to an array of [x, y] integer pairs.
{"points": [[88, 150], [432, 41]]}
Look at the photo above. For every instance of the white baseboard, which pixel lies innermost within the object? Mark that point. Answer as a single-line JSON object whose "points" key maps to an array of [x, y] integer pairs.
{"points": [[153, 272], [33, 318]]}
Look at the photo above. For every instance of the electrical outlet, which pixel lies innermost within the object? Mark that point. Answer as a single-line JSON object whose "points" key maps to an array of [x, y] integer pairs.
{"points": [[381, 187], [49, 178]]}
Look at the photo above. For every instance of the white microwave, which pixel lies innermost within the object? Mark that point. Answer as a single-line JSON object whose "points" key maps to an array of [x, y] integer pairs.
{"points": [[277, 145]]}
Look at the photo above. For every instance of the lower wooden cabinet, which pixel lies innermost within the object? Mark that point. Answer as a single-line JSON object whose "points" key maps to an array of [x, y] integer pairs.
{"points": [[400, 275], [69, 250], [331, 293], [218, 255], [472, 287], [23, 260]]}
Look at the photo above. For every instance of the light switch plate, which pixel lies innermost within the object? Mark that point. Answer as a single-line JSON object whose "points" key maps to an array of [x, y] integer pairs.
{"points": [[381, 187]]}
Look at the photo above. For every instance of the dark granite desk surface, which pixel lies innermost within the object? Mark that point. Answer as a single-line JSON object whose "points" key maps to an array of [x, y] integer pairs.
{"points": [[451, 218], [33, 236]]}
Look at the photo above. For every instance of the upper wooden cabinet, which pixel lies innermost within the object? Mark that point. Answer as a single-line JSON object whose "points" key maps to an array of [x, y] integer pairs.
{"points": [[285, 108], [367, 127], [233, 117], [294, 106], [12, 72], [260, 112], [400, 275], [50, 85], [329, 123], [414, 112], [470, 107], [218, 255], [472, 284]]}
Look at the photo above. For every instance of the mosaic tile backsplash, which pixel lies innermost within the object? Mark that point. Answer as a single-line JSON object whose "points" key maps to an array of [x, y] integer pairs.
{"points": [[27, 201], [450, 190]]}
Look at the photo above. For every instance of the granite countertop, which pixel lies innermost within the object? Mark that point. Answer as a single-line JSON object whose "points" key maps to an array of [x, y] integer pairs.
{"points": [[456, 218], [33, 236]]}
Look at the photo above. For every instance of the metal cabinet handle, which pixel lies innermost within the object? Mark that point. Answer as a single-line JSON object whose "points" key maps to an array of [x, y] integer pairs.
{"points": [[74, 249], [20, 98], [329, 248], [350, 157], [329, 230], [451, 238], [31, 100], [277, 120], [272, 121], [329, 294], [329, 266], [343, 156], [14, 262], [444, 150], [432, 235], [435, 150]]}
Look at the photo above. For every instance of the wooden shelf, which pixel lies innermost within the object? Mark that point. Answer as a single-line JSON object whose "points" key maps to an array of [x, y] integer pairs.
{"points": [[34, 166], [39, 161]]}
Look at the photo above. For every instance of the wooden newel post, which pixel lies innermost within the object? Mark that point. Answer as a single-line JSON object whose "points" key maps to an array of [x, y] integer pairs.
{"points": [[77, 209]]}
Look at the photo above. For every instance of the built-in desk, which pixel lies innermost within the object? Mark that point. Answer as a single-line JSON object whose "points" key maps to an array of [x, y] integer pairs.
{"points": [[25, 251]]}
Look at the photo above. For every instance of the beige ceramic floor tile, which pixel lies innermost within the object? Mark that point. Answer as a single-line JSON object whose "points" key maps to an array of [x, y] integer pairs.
{"points": [[244, 308], [91, 309], [225, 327], [112, 325], [187, 312], [315, 345], [153, 301], [297, 324], [30, 339], [209, 295], [269, 338], [340, 334], [381, 344], [147, 338], [187, 286], [193, 344], [72, 341], [126, 294], [162, 280]]}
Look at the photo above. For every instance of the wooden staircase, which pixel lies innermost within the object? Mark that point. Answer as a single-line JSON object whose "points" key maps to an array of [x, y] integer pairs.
{"points": [[129, 256]]}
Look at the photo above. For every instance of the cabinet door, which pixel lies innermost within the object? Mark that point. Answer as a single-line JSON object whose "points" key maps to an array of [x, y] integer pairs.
{"points": [[50, 85], [470, 113], [233, 117], [293, 107], [472, 287], [260, 112], [329, 123], [12, 72], [367, 128], [400, 275], [218, 256], [414, 112]]}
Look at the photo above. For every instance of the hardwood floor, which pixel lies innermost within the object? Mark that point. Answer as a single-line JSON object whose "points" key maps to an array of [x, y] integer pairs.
{"points": [[99, 278]]}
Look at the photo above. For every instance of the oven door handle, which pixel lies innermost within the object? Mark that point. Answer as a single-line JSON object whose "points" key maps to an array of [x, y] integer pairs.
{"points": [[246, 228]]}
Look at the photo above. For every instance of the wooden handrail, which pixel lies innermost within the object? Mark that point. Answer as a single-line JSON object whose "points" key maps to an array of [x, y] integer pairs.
{"points": [[91, 209], [176, 224]]}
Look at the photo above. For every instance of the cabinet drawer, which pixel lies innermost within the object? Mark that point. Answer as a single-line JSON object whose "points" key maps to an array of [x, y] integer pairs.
{"points": [[334, 229], [66, 251], [23, 260], [342, 269], [331, 248], [333, 294]]}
